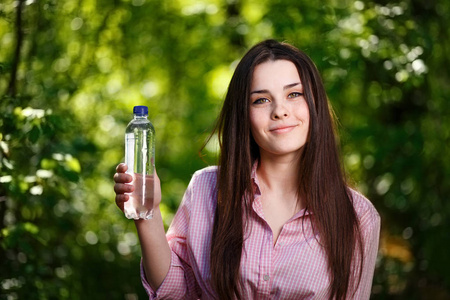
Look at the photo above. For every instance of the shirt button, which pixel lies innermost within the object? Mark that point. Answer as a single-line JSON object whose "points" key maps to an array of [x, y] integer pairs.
{"points": [[281, 244], [266, 277]]}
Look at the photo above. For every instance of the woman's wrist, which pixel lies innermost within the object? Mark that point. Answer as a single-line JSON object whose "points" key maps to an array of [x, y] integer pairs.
{"points": [[156, 217]]}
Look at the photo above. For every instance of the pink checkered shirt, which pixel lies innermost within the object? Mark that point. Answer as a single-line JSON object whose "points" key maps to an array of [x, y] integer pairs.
{"points": [[295, 267]]}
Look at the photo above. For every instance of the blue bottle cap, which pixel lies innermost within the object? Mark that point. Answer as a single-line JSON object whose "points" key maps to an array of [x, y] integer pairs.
{"points": [[140, 110]]}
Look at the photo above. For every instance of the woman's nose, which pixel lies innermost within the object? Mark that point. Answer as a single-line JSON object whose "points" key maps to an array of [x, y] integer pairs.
{"points": [[280, 111]]}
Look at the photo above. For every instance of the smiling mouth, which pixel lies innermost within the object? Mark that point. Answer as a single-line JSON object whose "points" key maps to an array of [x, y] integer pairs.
{"points": [[283, 129]]}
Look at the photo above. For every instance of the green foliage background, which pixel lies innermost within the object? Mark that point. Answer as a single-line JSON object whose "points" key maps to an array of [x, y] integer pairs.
{"points": [[71, 71]]}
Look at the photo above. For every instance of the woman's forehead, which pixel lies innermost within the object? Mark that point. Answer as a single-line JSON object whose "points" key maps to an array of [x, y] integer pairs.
{"points": [[275, 73]]}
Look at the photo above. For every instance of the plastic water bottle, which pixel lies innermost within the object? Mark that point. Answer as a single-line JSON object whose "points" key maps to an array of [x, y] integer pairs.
{"points": [[140, 159]]}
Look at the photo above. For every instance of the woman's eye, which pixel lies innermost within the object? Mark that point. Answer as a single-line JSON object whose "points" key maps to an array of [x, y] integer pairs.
{"points": [[295, 95], [261, 101]]}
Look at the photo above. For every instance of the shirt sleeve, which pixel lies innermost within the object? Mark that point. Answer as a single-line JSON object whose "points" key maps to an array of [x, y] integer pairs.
{"points": [[370, 230], [180, 282]]}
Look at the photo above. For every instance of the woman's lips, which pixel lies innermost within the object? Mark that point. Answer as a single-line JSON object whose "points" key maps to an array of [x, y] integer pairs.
{"points": [[282, 128]]}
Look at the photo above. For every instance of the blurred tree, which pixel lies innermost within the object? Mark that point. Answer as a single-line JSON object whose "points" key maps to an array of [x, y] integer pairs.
{"points": [[71, 71]]}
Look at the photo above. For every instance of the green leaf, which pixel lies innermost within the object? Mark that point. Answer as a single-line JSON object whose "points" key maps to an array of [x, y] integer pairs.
{"points": [[34, 134]]}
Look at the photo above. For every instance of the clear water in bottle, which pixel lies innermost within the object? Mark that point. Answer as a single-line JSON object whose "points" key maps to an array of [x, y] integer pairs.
{"points": [[140, 159]]}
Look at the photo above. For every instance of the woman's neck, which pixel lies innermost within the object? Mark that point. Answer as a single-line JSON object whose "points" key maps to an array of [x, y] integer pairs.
{"points": [[279, 173], [278, 182]]}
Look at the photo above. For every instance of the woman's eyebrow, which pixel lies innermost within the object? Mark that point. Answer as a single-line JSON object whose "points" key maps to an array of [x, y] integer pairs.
{"points": [[286, 87], [259, 92], [291, 85]]}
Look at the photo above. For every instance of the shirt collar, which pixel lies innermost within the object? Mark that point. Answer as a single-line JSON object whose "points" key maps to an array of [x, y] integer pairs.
{"points": [[256, 189]]}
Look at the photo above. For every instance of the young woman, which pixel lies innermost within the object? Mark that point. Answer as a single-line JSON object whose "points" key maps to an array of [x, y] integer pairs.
{"points": [[275, 219]]}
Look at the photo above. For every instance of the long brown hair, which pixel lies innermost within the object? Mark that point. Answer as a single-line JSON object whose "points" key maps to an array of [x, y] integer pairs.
{"points": [[321, 184]]}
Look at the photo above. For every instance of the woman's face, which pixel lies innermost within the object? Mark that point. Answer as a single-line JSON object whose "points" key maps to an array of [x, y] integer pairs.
{"points": [[279, 114]]}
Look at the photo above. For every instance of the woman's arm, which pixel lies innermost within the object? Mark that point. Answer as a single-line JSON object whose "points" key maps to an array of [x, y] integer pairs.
{"points": [[370, 230], [156, 254]]}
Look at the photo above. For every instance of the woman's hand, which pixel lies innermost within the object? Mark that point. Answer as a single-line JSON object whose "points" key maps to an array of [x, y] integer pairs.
{"points": [[123, 186]]}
